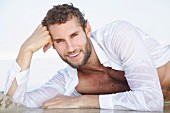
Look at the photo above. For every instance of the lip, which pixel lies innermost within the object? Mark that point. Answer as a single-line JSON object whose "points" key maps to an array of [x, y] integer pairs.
{"points": [[74, 55]]}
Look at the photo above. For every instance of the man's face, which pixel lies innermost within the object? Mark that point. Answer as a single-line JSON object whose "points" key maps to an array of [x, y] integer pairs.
{"points": [[71, 42]]}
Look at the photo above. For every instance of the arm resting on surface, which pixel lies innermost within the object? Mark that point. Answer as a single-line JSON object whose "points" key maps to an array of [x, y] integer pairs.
{"points": [[140, 72]]}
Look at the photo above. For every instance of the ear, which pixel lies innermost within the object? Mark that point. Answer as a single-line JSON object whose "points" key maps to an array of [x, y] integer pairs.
{"points": [[88, 30]]}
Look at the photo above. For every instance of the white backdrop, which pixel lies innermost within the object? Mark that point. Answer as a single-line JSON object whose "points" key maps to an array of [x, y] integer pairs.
{"points": [[19, 18]]}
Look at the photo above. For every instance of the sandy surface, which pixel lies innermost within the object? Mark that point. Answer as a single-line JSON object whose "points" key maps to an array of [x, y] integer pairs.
{"points": [[39, 110], [7, 103], [7, 106]]}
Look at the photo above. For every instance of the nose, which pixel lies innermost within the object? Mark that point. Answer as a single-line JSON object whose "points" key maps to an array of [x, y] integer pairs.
{"points": [[70, 46]]}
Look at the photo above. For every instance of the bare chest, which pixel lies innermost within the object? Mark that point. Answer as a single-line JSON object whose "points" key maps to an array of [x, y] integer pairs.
{"points": [[164, 76], [102, 82]]}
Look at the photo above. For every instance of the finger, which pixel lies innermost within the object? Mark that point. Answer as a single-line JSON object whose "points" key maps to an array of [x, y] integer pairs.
{"points": [[54, 101], [40, 27], [47, 46], [54, 106], [44, 28], [49, 103]]}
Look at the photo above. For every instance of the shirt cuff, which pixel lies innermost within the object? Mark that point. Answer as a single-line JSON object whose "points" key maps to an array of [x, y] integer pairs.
{"points": [[14, 72], [15, 68], [106, 101]]}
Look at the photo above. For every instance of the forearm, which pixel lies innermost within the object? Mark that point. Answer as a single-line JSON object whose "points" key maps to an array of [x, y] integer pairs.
{"points": [[40, 38], [24, 61], [89, 101], [24, 58]]}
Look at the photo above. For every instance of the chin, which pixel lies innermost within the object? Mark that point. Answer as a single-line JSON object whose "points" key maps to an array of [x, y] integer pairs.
{"points": [[76, 66]]}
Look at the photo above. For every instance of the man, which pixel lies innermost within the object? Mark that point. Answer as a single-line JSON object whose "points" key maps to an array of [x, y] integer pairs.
{"points": [[112, 68]]}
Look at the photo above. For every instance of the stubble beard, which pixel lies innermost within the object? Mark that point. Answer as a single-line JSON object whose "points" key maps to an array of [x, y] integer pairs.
{"points": [[87, 53]]}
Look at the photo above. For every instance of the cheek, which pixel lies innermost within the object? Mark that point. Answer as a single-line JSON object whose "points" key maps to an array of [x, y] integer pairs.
{"points": [[60, 50], [81, 41]]}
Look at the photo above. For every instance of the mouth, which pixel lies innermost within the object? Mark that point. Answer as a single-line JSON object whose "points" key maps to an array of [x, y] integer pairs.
{"points": [[74, 55]]}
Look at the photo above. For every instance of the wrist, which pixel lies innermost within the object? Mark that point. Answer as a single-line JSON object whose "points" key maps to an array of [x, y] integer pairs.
{"points": [[80, 101], [89, 101], [24, 58], [26, 48]]}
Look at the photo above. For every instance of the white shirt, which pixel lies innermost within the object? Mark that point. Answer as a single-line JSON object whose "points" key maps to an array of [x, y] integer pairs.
{"points": [[118, 45]]}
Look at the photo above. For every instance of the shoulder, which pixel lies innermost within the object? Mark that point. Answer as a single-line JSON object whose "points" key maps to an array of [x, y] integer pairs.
{"points": [[118, 23], [115, 27], [121, 25]]}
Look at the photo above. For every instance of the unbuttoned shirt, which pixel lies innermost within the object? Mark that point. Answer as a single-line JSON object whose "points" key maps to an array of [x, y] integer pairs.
{"points": [[118, 45]]}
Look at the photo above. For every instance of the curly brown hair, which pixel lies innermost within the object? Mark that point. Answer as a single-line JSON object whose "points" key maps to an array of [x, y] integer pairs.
{"points": [[62, 13]]}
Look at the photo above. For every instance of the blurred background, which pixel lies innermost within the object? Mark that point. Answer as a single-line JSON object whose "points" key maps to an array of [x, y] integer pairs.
{"points": [[18, 19]]}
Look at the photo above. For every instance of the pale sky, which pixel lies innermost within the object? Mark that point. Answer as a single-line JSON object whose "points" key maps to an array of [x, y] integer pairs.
{"points": [[19, 18]]}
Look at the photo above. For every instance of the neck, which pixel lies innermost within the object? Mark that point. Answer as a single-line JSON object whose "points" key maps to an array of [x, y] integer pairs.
{"points": [[93, 61]]}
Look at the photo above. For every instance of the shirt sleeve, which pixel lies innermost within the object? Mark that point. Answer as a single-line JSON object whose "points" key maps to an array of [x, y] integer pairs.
{"points": [[145, 91], [36, 97]]}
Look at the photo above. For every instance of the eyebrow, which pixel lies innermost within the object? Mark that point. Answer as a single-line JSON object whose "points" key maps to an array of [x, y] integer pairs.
{"points": [[69, 36], [74, 33]]}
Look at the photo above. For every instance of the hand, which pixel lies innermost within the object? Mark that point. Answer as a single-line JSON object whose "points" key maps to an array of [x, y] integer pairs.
{"points": [[40, 38], [62, 101]]}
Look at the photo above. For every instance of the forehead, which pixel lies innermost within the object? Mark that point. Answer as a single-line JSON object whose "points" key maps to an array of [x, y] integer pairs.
{"points": [[64, 29]]}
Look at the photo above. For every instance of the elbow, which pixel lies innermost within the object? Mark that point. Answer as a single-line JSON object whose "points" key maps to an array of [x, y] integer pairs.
{"points": [[156, 102], [158, 106]]}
